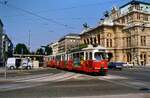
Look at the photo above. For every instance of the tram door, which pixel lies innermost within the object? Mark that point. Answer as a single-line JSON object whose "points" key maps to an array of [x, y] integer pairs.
{"points": [[82, 58], [88, 57], [76, 59]]}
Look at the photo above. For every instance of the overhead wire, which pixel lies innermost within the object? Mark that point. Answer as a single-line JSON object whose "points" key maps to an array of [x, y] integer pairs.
{"points": [[74, 7], [36, 15], [50, 19], [61, 9]]}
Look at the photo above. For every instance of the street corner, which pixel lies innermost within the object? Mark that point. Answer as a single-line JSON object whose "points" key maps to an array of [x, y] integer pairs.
{"points": [[82, 77]]}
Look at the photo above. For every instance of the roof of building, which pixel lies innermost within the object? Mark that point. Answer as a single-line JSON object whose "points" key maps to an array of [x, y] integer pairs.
{"points": [[1, 23], [72, 34], [69, 35], [86, 30], [135, 2]]}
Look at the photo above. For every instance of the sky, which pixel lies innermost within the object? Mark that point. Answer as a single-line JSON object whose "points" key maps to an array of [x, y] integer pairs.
{"points": [[46, 21]]}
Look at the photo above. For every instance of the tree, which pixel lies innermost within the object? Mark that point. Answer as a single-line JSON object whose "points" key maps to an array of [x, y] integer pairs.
{"points": [[81, 46], [21, 49], [48, 50], [40, 51], [44, 50]]}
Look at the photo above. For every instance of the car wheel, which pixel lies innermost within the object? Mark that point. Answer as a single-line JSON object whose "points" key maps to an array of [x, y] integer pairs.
{"points": [[11, 67], [28, 67]]}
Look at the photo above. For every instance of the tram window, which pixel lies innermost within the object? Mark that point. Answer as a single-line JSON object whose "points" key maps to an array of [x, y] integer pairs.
{"points": [[90, 55], [63, 57], [110, 55], [58, 57], [70, 57], [86, 55], [76, 59], [49, 58], [76, 55], [99, 56], [82, 56]]}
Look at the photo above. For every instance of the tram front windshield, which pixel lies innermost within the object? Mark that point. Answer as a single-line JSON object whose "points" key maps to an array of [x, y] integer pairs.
{"points": [[99, 55]]}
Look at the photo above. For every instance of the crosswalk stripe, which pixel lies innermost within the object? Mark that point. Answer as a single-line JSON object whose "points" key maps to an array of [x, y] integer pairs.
{"points": [[136, 84]]}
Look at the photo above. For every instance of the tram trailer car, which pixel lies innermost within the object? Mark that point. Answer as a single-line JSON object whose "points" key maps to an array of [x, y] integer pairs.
{"points": [[92, 60]]}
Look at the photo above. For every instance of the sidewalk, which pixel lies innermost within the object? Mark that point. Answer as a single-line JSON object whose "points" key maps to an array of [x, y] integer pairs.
{"points": [[2, 70], [12, 74]]}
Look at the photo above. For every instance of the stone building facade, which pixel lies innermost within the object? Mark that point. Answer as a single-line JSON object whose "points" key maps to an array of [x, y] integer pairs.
{"points": [[54, 47], [125, 32], [68, 42]]}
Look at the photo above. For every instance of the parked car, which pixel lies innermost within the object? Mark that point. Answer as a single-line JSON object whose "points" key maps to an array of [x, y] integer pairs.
{"points": [[13, 63], [16, 63], [26, 64], [116, 65], [127, 65]]}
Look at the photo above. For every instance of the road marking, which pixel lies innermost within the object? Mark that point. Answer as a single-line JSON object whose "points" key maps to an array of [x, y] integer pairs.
{"points": [[31, 77], [136, 84], [77, 85], [30, 82], [14, 86], [139, 95], [113, 77]]}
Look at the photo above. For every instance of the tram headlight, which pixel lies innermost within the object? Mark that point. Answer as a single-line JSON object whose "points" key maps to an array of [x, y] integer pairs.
{"points": [[102, 65]]}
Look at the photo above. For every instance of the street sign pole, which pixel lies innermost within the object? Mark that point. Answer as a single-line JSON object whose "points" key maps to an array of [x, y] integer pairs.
{"points": [[5, 71]]}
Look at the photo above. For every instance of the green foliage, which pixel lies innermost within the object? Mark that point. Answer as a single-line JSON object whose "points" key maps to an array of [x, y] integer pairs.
{"points": [[40, 51], [81, 46], [48, 50], [45, 50], [21, 49]]}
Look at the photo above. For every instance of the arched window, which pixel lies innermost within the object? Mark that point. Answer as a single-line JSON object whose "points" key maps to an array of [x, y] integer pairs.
{"points": [[95, 41], [128, 57], [84, 41], [88, 42], [91, 42], [109, 40], [98, 38], [143, 58]]}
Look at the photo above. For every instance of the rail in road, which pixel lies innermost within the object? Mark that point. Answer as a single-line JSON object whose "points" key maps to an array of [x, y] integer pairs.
{"points": [[36, 80]]}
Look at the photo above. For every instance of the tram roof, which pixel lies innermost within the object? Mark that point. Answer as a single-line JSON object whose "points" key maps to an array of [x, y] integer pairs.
{"points": [[90, 47]]}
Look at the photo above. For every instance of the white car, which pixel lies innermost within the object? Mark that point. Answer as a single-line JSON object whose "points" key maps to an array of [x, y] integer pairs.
{"points": [[26, 64], [13, 63], [127, 65]]}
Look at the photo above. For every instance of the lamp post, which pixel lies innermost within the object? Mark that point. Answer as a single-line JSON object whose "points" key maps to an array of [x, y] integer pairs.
{"points": [[45, 53], [4, 55]]}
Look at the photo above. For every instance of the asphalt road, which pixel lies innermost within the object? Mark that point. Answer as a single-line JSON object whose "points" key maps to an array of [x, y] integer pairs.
{"points": [[53, 83]]}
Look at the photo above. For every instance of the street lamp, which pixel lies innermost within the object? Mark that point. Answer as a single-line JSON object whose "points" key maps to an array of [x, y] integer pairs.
{"points": [[4, 54], [45, 53]]}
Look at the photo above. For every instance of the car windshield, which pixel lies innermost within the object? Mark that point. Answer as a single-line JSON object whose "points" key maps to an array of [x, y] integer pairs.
{"points": [[99, 55]]}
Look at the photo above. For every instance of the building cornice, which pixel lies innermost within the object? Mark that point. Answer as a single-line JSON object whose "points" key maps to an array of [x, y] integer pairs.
{"points": [[134, 2]]}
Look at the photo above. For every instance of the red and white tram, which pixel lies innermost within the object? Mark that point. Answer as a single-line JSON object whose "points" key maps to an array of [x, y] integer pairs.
{"points": [[88, 60]]}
